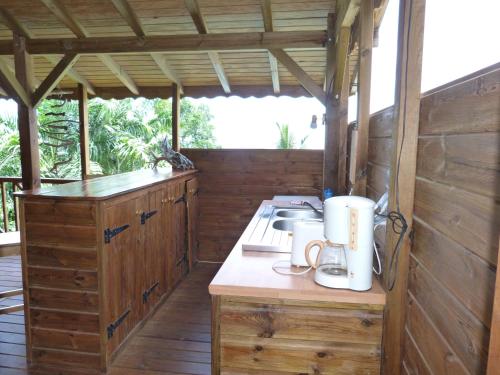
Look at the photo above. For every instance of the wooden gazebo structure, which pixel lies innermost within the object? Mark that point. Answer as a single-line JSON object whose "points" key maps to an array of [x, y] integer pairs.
{"points": [[439, 315]]}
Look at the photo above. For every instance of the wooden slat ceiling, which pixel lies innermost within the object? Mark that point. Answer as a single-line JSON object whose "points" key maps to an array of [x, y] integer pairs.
{"points": [[100, 18]]}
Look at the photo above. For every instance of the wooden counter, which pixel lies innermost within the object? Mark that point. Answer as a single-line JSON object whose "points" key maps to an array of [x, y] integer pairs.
{"points": [[250, 274], [264, 322], [106, 187]]}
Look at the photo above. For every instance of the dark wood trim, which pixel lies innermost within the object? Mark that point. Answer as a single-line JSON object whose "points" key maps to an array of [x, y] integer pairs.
{"points": [[176, 117], [173, 43], [26, 119], [402, 183], [83, 112], [54, 77]]}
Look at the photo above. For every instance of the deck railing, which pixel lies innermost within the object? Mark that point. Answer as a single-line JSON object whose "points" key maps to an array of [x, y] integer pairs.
{"points": [[9, 185]]}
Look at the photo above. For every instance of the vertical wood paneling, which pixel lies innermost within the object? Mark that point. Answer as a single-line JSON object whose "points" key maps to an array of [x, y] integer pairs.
{"points": [[457, 221], [233, 183]]}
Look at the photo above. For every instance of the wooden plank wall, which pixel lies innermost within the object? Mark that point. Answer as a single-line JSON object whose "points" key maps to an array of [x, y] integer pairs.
{"points": [[457, 221], [233, 183]]}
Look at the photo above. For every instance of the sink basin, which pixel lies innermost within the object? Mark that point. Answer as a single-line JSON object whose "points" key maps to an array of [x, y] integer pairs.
{"points": [[299, 214], [285, 225]]}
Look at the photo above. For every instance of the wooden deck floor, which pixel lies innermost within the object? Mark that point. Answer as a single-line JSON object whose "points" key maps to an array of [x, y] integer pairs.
{"points": [[175, 340]]}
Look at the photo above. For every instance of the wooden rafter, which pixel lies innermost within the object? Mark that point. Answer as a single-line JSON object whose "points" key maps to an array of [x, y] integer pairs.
{"points": [[54, 78], [13, 24], [194, 9], [267, 15], [18, 28], [346, 10], [129, 15], [73, 73], [72, 23], [161, 61], [307, 82], [120, 73], [65, 17]]}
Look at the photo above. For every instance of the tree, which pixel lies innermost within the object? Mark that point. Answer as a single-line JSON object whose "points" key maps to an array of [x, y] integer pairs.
{"points": [[286, 139]]}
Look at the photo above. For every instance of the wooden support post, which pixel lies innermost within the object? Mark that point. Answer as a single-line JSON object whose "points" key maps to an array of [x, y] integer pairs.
{"points": [[403, 170], [176, 116], [360, 137], [83, 111], [26, 120], [334, 162]]}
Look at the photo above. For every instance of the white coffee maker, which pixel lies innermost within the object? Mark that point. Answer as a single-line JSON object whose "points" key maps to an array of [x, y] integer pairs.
{"points": [[345, 259]]}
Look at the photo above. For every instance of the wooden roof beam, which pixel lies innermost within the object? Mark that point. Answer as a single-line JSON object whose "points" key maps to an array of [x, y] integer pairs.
{"points": [[54, 78], [120, 73], [73, 74], [126, 11], [128, 14], [13, 24], [173, 43], [346, 10], [307, 82], [161, 61], [71, 23], [9, 82], [194, 9], [65, 17], [267, 15]]}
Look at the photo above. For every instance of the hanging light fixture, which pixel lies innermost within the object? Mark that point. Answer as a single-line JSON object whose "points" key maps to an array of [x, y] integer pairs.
{"points": [[314, 122]]}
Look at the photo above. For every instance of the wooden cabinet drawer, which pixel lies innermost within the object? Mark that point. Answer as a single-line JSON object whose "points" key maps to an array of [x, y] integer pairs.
{"points": [[301, 323], [295, 356], [261, 336]]}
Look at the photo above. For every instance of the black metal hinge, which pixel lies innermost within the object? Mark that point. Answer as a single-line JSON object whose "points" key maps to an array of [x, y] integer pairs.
{"points": [[181, 199], [147, 215], [147, 292], [110, 233], [113, 326]]}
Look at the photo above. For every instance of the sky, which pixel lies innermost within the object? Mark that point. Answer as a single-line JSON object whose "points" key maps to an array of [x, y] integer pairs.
{"points": [[460, 37]]}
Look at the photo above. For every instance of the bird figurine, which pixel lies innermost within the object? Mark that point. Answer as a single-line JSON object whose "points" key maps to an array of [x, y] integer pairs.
{"points": [[174, 158]]}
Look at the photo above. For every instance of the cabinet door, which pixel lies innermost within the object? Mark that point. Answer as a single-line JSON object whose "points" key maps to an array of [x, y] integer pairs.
{"points": [[152, 222], [192, 190], [118, 271], [179, 248]]}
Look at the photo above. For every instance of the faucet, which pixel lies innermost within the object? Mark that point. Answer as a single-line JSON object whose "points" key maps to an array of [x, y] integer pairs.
{"points": [[306, 203]]}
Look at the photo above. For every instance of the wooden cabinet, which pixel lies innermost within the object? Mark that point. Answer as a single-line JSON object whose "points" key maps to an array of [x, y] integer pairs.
{"points": [[98, 257], [253, 335]]}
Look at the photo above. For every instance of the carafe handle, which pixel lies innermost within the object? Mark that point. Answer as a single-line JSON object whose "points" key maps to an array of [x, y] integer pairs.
{"points": [[309, 247]]}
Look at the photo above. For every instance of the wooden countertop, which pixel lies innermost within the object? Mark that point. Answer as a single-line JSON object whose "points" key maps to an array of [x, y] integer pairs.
{"points": [[106, 187], [250, 274]]}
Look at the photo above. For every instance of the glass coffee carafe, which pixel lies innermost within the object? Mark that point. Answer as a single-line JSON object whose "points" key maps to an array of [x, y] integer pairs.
{"points": [[331, 259]]}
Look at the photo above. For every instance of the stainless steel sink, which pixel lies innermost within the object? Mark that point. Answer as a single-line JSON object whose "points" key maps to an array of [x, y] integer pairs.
{"points": [[286, 225], [299, 214], [272, 232]]}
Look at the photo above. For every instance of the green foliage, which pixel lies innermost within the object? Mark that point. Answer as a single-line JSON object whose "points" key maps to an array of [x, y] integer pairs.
{"points": [[286, 139], [125, 135]]}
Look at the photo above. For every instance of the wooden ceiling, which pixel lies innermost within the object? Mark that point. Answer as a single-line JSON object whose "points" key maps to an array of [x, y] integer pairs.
{"points": [[216, 47]]}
